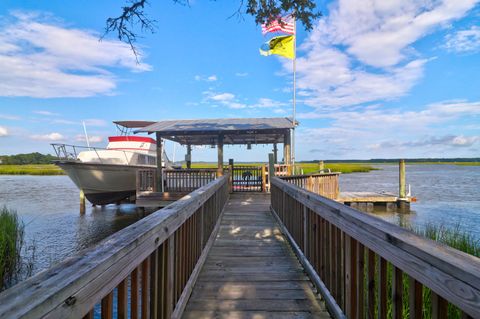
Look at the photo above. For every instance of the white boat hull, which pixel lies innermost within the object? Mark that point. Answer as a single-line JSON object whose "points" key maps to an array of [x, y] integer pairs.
{"points": [[103, 183]]}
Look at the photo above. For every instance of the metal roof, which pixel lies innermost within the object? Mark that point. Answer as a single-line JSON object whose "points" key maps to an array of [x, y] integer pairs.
{"points": [[134, 124], [235, 131]]}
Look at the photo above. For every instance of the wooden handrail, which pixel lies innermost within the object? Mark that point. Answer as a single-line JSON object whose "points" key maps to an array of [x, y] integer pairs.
{"points": [[343, 247], [324, 184], [151, 264]]}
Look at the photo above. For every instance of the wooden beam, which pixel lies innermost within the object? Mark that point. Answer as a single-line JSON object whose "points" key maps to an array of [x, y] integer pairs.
{"points": [[220, 155], [159, 163], [287, 149], [188, 157], [275, 153]]}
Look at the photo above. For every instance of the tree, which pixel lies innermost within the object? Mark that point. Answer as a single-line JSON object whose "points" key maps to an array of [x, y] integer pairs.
{"points": [[133, 16]]}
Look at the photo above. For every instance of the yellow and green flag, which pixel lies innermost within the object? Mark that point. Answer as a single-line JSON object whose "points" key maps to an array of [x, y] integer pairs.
{"points": [[281, 45]]}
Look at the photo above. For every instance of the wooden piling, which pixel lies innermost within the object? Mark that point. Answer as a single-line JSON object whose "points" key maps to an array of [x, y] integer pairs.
{"points": [[188, 157], [82, 202], [401, 179], [220, 155], [321, 166]]}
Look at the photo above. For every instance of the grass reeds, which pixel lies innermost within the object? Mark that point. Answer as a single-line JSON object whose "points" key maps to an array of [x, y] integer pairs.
{"points": [[12, 266], [307, 168], [454, 237], [37, 169]]}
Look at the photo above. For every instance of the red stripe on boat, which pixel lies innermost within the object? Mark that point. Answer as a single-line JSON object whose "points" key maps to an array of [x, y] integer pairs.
{"points": [[131, 139]]}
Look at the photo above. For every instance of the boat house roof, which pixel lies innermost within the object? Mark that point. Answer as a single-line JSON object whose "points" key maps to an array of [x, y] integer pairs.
{"points": [[234, 131]]}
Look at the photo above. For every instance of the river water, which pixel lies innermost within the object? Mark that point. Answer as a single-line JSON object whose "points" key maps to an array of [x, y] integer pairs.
{"points": [[446, 195], [49, 205]]}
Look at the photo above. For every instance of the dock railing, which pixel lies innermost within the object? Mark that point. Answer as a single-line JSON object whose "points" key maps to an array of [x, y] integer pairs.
{"points": [[175, 180], [325, 184], [366, 267], [146, 270]]}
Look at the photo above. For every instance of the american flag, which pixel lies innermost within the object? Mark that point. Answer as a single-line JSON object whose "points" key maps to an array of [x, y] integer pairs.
{"points": [[274, 26]]}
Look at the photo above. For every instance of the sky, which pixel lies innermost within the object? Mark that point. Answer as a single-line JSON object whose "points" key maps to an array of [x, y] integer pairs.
{"points": [[375, 79]]}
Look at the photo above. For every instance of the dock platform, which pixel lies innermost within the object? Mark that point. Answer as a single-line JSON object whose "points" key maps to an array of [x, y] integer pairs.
{"points": [[367, 201], [251, 271]]}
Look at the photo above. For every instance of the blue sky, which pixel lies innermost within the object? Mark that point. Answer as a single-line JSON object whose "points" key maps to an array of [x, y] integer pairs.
{"points": [[375, 79]]}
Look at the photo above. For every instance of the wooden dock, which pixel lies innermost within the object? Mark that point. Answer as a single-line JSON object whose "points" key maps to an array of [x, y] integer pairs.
{"points": [[251, 271]]}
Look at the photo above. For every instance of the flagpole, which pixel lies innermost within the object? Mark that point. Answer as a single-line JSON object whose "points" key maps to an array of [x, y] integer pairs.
{"points": [[294, 89]]}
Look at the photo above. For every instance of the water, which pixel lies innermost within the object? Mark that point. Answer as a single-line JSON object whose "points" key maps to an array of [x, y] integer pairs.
{"points": [[49, 207], [448, 195]]}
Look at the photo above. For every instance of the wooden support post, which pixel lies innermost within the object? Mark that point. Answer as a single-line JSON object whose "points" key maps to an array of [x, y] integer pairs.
{"points": [[271, 166], [220, 155], [159, 163], [188, 157], [321, 166], [402, 186], [230, 177], [264, 178], [275, 153], [286, 148], [82, 202]]}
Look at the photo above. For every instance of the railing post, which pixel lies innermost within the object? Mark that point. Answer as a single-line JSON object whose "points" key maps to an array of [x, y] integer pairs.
{"points": [[401, 187], [170, 275], [264, 179], [305, 228]]}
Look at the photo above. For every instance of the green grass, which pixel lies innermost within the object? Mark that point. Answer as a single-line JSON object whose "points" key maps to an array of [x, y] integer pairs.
{"points": [[11, 242], [13, 266], [308, 168], [32, 169], [454, 237]]}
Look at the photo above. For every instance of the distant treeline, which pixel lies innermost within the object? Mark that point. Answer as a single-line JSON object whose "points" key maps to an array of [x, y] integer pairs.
{"points": [[30, 158], [395, 160]]}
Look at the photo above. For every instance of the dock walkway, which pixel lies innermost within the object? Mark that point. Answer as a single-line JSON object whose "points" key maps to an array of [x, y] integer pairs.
{"points": [[251, 271]]}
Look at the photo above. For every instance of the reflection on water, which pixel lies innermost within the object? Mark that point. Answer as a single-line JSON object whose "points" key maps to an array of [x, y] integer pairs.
{"points": [[447, 194], [49, 206]]}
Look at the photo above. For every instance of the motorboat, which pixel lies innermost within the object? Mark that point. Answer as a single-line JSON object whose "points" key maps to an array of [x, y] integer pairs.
{"points": [[108, 175]]}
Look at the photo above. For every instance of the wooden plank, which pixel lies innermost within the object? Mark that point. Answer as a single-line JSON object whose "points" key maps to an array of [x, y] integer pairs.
{"points": [[255, 305], [122, 303], [397, 293], [145, 288], [239, 275], [415, 299], [181, 304], [371, 284], [196, 314], [107, 306], [382, 288], [439, 307], [134, 294]]}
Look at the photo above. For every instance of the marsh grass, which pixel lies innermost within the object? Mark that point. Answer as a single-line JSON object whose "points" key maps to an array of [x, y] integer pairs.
{"points": [[12, 266], [33, 169], [307, 168], [454, 237]]}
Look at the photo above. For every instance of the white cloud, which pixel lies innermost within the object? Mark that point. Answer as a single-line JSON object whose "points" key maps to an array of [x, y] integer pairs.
{"points": [[231, 101], [241, 74], [9, 117], [362, 51], [395, 132], [48, 137], [91, 138], [464, 40], [222, 97], [210, 78], [3, 131], [95, 122], [46, 59], [46, 113]]}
